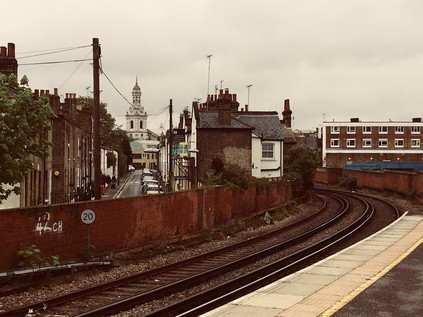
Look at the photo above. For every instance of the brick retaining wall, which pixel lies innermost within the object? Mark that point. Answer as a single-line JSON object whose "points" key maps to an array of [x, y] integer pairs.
{"points": [[125, 223]]}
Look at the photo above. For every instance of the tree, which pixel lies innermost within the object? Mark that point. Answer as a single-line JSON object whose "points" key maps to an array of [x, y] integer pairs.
{"points": [[300, 167], [23, 124], [107, 122]]}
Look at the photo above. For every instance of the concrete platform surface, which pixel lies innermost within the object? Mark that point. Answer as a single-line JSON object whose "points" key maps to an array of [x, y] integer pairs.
{"points": [[379, 276]]}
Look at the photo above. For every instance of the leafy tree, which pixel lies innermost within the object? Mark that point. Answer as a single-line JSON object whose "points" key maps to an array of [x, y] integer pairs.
{"points": [[23, 124], [107, 122], [300, 167]]}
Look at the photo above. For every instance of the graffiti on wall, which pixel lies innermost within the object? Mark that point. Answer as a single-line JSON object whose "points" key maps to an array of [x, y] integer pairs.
{"points": [[45, 224]]}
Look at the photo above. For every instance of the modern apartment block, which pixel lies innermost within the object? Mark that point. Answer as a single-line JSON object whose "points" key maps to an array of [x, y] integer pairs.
{"points": [[366, 141]]}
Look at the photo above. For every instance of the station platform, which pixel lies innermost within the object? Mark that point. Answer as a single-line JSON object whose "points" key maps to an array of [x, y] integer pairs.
{"points": [[379, 276]]}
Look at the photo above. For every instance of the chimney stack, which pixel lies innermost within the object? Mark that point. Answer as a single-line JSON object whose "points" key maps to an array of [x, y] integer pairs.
{"points": [[286, 114], [11, 50]]}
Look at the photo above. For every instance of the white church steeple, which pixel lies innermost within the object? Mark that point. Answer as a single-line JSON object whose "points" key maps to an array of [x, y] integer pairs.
{"points": [[136, 118]]}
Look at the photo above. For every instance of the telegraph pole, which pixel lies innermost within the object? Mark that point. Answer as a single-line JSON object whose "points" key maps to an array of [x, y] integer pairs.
{"points": [[97, 150], [170, 147]]}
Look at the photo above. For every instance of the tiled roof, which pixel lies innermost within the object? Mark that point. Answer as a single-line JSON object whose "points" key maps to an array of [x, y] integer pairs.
{"points": [[209, 120], [267, 126]]}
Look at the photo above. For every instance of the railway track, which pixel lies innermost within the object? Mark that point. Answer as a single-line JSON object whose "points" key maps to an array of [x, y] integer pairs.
{"points": [[296, 246]]}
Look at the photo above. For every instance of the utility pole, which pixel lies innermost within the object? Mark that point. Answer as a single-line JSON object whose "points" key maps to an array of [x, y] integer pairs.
{"points": [[170, 147], [208, 82], [97, 150]]}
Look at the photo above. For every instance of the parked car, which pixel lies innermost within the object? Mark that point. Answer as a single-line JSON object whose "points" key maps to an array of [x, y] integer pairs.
{"points": [[153, 189], [131, 168]]}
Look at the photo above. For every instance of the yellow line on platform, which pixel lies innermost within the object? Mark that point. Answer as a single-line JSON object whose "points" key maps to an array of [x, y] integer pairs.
{"points": [[330, 311]]}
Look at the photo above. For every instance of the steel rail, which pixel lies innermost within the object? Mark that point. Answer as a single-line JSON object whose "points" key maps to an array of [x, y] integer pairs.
{"points": [[133, 301]]}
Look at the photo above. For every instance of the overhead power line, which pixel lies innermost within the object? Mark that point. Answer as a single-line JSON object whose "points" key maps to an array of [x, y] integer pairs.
{"points": [[57, 62], [51, 51]]}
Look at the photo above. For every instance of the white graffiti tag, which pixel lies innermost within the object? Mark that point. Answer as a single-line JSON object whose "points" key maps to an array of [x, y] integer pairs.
{"points": [[44, 225]]}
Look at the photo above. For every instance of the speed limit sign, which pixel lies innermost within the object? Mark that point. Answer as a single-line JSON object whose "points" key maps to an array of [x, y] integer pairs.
{"points": [[88, 216]]}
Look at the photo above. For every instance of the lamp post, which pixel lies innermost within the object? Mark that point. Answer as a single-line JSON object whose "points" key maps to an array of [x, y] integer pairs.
{"points": [[248, 86]]}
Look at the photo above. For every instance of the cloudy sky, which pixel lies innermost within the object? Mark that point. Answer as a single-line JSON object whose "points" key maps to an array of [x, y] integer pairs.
{"points": [[333, 59]]}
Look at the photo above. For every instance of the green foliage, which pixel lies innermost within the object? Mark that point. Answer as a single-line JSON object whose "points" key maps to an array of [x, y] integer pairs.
{"points": [[111, 159], [300, 167], [347, 182], [24, 122], [30, 256], [217, 164], [232, 176]]}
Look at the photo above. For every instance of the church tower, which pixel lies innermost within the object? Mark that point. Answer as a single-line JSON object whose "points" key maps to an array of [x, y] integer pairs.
{"points": [[136, 117]]}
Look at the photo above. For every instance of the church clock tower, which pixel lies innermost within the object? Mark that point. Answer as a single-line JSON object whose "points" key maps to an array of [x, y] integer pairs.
{"points": [[136, 117]]}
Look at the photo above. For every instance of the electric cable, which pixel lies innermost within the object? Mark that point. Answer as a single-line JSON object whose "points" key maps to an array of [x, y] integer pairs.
{"points": [[51, 51], [74, 70]]}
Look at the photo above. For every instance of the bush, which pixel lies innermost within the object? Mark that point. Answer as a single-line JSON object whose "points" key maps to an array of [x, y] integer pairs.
{"points": [[347, 182]]}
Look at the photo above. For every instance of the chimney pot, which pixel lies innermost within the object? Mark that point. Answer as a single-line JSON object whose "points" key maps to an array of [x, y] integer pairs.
{"points": [[36, 93], [246, 108], [3, 51], [234, 97], [42, 92], [47, 93], [55, 92]]}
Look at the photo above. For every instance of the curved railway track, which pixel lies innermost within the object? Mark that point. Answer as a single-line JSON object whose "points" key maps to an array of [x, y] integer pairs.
{"points": [[290, 248]]}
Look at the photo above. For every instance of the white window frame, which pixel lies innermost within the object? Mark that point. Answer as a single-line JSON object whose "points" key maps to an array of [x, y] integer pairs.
{"points": [[399, 130], [384, 141], [334, 130], [351, 143], [350, 130], [415, 130], [383, 130], [399, 142], [267, 151], [334, 143], [367, 130], [416, 143], [365, 143]]}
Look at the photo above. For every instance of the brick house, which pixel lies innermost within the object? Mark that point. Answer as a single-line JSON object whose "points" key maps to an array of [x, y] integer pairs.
{"points": [[357, 141], [252, 140], [72, 156]]}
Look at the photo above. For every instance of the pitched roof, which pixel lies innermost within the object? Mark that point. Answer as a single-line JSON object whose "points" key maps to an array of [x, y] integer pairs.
{"points": [[267, 126], [210, 120]]}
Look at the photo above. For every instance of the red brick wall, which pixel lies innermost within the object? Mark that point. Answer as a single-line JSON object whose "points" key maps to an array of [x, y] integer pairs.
{"points": [[127, 222], [401, 182]]}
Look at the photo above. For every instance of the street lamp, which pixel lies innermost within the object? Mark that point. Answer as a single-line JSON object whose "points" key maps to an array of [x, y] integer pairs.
{"points": [[248, 86]]}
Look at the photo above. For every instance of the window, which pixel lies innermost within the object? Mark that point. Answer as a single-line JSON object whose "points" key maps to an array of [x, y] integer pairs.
{"points": [[140, 124], [334, 130], [367, 142], [351, 130], [350, 142], [383, 130], [132, 124], [383, 142], [267, 150], [415, 142], [415, 130], [399, 130], [334, 142], [367, 130], [399, 142]]}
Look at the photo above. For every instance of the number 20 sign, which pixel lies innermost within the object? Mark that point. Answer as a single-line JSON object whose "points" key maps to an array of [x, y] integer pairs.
{"points": [[88, 216]]}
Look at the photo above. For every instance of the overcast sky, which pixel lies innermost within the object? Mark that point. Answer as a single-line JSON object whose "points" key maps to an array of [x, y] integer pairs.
{"points": [[334, 59]]}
